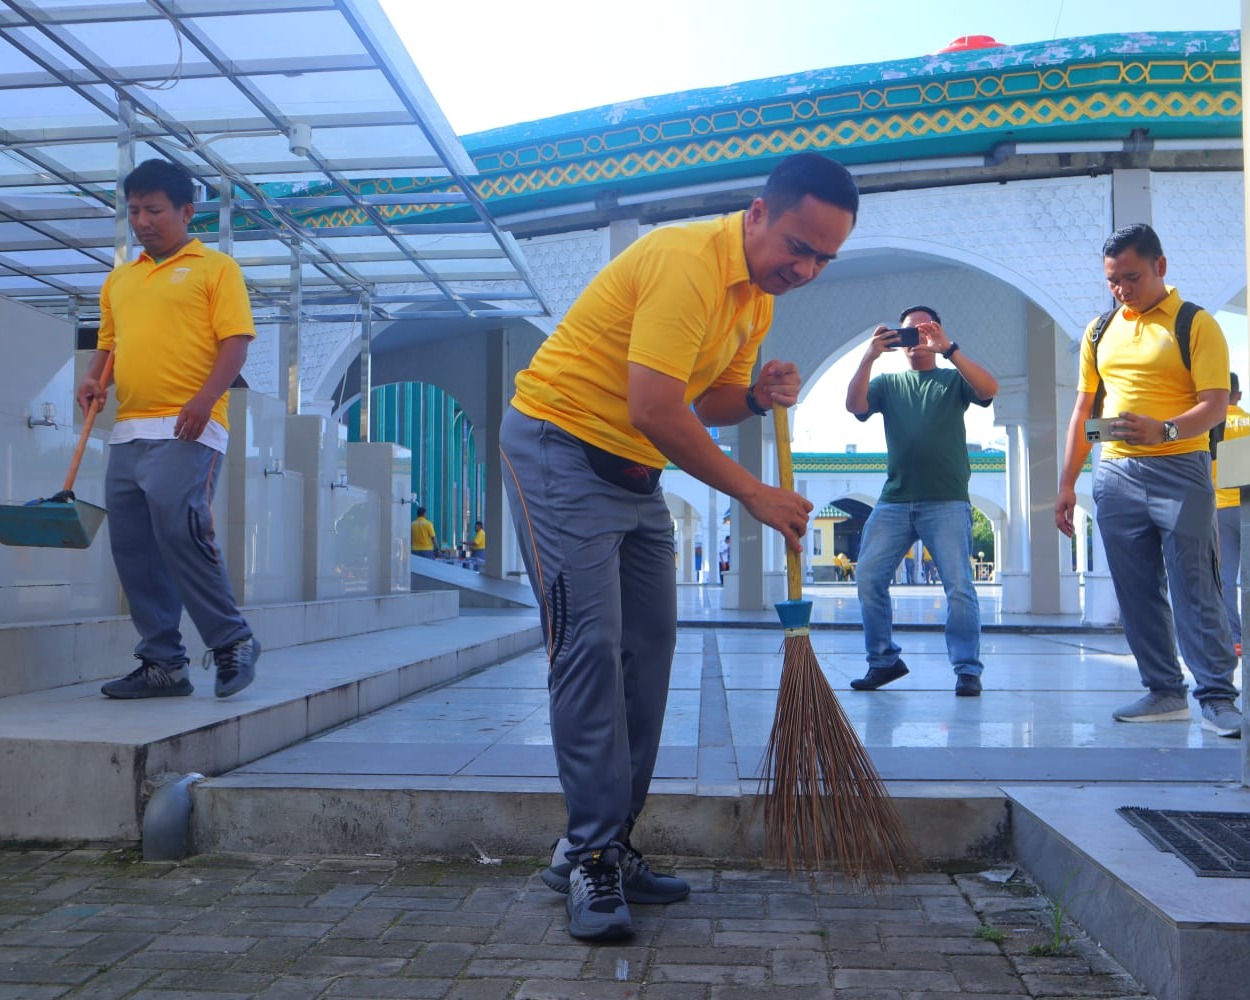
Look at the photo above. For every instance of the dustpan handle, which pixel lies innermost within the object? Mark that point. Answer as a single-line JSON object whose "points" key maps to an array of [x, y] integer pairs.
{"points": [[88, 420], [785, 469]]}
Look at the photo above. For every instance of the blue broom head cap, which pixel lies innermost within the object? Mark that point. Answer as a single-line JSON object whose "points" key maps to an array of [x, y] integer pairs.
{"points": [[794, 614]]}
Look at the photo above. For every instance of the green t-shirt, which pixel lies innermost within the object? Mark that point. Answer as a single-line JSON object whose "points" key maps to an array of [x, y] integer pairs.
{"points": [[925, 437]]}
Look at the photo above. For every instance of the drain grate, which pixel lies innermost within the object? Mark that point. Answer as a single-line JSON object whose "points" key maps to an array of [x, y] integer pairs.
{"points": [[1214, 844]]}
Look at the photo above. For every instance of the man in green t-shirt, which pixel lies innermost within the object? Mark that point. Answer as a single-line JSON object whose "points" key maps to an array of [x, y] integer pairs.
{"points": [[926, 491]]}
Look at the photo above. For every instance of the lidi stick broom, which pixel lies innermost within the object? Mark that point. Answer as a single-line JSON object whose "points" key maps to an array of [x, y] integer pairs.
{"points": [[826, 807]]}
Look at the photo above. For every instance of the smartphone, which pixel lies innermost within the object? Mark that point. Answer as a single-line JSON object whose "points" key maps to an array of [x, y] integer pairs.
{"points": [[1098, 429], [908, 336]]}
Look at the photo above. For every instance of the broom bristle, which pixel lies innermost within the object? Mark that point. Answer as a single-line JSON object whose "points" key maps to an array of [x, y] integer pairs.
{"points": [[826, 807]]}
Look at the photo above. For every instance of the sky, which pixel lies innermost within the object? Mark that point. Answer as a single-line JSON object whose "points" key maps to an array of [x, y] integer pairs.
{"points": [[490, 63]]}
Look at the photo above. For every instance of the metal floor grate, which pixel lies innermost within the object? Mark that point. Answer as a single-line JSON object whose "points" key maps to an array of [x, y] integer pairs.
{"points": [[1213, 844]]}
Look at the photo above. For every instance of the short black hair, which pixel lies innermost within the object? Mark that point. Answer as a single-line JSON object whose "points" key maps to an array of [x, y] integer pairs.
{"points": [[151, 176], [1234, 385], [420, 512], [802, 174], [920, 309], [1139, 237]]}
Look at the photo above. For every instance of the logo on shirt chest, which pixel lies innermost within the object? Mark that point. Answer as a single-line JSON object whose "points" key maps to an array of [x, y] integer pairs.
{"points": [[178, 275]]}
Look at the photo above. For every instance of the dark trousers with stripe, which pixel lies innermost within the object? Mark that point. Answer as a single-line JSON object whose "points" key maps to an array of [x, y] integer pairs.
{"points": [[600, 561], [158, 495]]}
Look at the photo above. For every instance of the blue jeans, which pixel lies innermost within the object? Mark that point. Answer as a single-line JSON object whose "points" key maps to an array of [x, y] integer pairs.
{"points": [[945, 528]]}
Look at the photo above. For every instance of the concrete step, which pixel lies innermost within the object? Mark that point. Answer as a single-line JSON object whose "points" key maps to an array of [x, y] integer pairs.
{"points": [[1184, 937], [42, 655], [263, 812], [77, 767]]}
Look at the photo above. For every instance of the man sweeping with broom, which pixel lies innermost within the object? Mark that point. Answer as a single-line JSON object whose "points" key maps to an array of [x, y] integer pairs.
{"points": [[661, 343]]}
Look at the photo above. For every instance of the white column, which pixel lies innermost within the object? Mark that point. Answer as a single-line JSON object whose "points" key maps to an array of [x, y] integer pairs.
{"points": [[1017, 587]]}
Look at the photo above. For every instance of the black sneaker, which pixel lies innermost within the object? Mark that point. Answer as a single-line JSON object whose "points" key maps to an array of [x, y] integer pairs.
{"points": [[968, 686], [236, 665], [596, 906], [151, 680], [638, 882], [877, 676]]}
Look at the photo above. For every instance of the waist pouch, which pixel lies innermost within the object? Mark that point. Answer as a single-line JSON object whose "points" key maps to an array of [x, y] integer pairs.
{"points": [[622, 472]]}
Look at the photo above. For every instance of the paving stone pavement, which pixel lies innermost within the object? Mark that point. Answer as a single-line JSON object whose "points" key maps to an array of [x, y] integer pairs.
{"points": [[104, 925]]}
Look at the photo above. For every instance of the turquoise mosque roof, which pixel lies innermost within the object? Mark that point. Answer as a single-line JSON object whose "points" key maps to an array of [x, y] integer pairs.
{"points": [[1167, 85]]}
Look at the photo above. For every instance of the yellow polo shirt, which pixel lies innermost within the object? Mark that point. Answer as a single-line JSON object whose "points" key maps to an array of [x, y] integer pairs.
{"points": [[1236, 425], [165, 322], [479, 540], [1142, 369], [422, 535], [678, 301]]}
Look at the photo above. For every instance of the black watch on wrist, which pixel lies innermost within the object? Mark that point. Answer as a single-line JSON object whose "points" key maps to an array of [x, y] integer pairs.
{"points": [[950, 350], [1170, 431], [752, 404]]}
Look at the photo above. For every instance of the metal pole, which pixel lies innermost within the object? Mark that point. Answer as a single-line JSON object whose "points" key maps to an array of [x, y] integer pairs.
{"points": [[366, 363], [225, 217], [125, 164], [288, 354]]}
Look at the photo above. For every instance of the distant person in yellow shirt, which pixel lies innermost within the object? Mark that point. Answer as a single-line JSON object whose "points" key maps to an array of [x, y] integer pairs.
{"points": [[477, 547], [1228, 514], [424, 540]]}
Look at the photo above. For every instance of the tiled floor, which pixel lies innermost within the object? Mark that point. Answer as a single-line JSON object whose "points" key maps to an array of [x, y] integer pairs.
{"points": [[1045, 714]]}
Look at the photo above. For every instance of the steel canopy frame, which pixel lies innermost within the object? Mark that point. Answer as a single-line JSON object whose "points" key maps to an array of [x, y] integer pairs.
{"points": [[287, 136]]}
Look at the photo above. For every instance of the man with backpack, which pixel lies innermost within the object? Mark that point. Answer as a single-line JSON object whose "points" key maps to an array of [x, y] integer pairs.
{"points": [[1163, 367]]}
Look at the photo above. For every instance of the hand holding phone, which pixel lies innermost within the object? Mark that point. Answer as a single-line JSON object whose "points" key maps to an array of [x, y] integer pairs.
{"points": [[1098, 429], [908, 336]]}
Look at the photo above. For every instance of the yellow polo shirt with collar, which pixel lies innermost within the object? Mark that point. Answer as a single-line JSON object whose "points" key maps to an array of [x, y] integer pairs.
{"points": [[1140, 363], [678, 301], [165, 321]]}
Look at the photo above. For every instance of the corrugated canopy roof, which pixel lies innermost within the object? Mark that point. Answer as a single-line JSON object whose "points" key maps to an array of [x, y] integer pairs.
{"points": [[295, 103]]}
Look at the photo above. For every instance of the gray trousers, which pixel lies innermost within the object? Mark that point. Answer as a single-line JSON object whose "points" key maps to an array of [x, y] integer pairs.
{"points": [[1157, 520], [1228, 520], [600, 561], [158, 495]]}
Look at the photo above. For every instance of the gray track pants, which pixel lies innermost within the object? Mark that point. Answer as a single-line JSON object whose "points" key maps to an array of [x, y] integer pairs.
{"points": [[161, 531], [600, 561], [1157, 521]]}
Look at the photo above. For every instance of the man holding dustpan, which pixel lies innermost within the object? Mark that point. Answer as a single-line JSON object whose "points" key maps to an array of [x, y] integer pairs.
{"points": [[178, 322], [660, 343]]}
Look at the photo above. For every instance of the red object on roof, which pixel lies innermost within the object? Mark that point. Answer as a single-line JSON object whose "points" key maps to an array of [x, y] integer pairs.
{"points": [[965, 43]]}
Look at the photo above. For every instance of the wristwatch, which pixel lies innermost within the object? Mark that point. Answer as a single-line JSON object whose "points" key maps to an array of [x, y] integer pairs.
{"points": [[950, 350], [1170, 431], [752, 404]]}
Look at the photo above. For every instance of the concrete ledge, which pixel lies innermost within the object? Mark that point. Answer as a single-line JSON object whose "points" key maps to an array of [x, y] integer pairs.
{"points": [[1183, 937], [476, 590], [77, 767], [41, 655], [262, 813]]}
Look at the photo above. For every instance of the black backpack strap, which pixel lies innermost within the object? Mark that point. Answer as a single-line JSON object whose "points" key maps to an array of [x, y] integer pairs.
{"points": [[1095, 335], [1184, 323]]}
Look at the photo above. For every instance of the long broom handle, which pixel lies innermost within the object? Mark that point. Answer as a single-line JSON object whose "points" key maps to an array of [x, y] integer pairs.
{"points": [[785, 468], [88, 420]]}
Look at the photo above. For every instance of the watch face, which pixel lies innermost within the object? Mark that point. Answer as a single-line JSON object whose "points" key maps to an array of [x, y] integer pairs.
{"points": [[1170, 430]]}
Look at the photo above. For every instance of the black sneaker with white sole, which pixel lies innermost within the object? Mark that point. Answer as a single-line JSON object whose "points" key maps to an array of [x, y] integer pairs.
{"points": [[639, 883], [236, 665], [596, 906], [151, 680]]}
